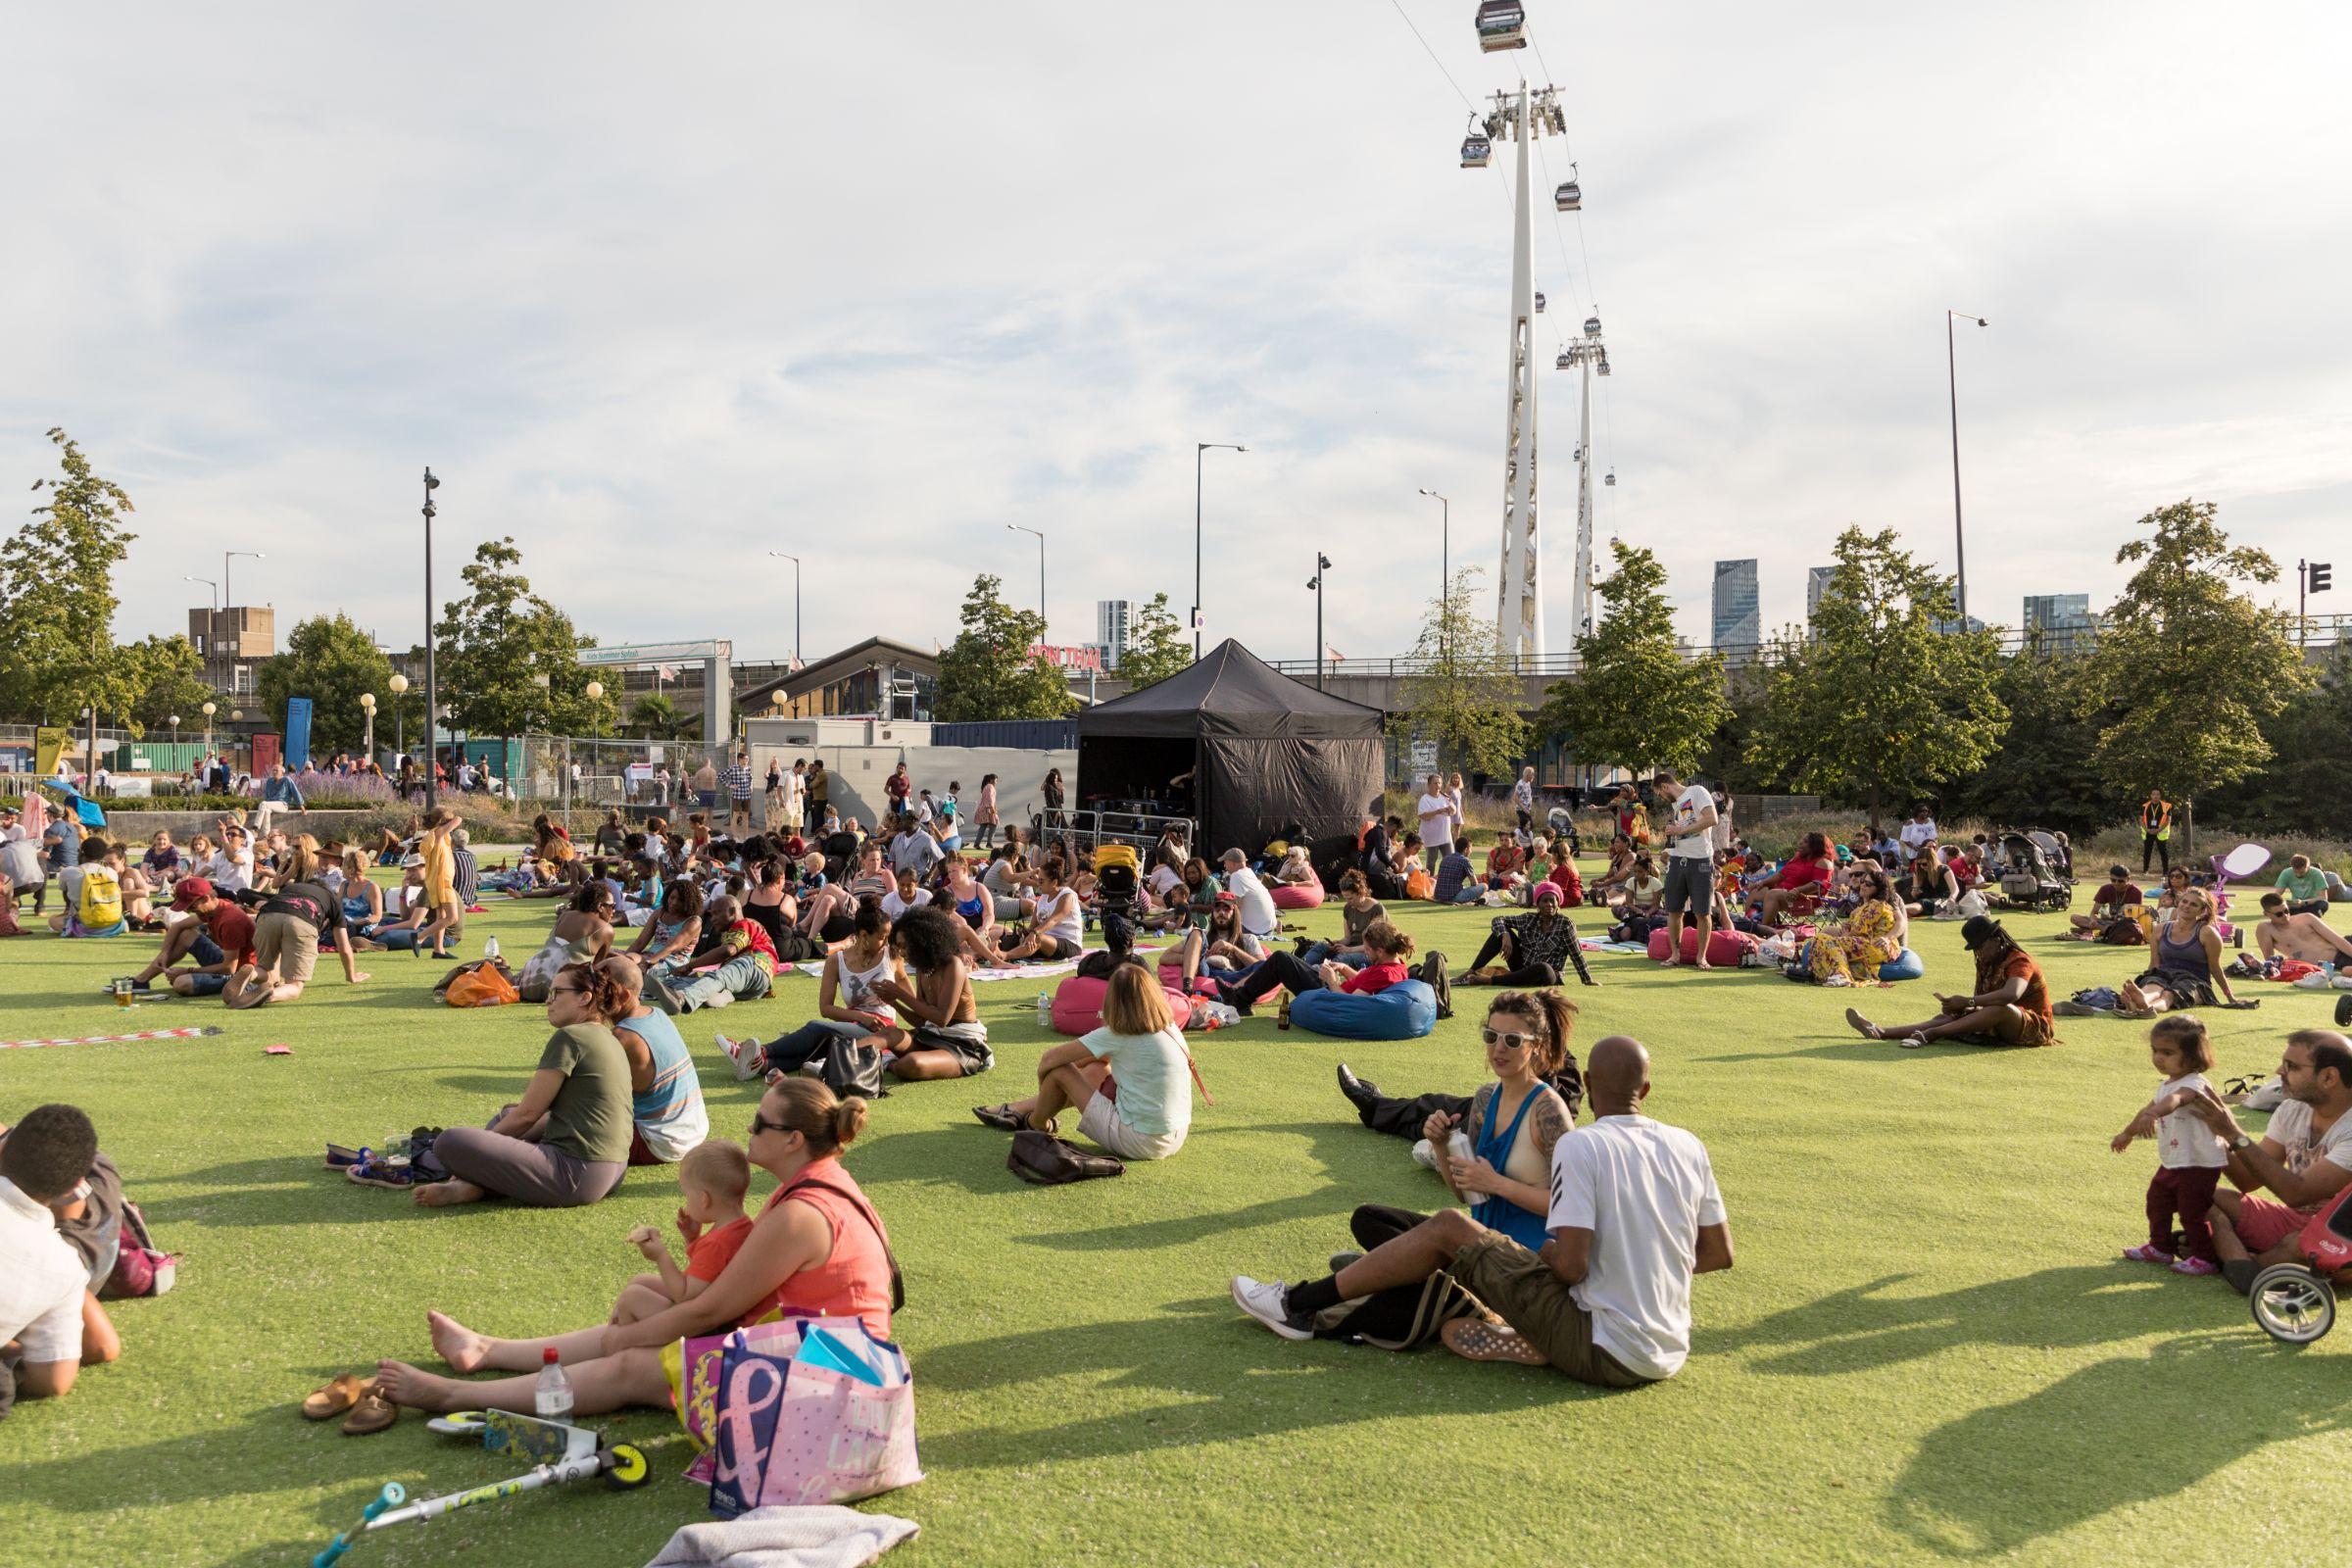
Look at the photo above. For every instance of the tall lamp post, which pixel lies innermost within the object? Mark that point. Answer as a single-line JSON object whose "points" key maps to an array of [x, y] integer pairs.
{"points": [[1322, 566], [400, 719], [432, 694], [1444, 560], [229, 665], [210, 708], [778, 554], [211, 622], [368, 706], [1200, 450], [1951, 369], [1040, 574]]}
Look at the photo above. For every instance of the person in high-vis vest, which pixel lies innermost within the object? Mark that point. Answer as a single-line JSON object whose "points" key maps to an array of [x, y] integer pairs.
{"points": [[93, 892], [2155, 831]]}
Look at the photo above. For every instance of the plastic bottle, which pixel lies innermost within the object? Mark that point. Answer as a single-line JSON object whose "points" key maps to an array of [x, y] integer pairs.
{"points": [[1045, 1006], [1460, 1148], [552, 1399], [490, 948]]}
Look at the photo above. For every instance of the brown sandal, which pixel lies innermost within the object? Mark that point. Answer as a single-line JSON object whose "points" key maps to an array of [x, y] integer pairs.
{"points": [[372, 1413], [337, 1396], [1476, 1340]]}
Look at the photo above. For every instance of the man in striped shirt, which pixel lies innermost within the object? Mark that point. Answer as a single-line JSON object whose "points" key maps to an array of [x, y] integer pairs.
{"points": [[739, 793]]}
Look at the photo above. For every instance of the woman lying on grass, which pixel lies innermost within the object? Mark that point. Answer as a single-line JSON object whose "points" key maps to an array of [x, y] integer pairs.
{"points": [[818, 1246]]}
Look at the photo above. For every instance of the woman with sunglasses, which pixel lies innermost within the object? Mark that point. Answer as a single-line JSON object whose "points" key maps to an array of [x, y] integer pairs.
{"points": [[1512, 1122], [817, 1247], [566, 1140], [582, 934]]}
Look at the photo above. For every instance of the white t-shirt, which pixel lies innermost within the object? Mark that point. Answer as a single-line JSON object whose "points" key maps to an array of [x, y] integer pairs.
{"points": [[2185, 1143], [41, 1281], [1523, 795], [894, 905], [2290, 1130], [1259, 917], [1437, 820], [229, 873], [1687, 807], [1163, 880], [21, 858], [1062, 918], [1915, 834], [1645, 1190]]}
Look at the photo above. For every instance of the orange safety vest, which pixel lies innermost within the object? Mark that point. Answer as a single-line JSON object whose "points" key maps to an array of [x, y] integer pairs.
{"points": [[2156, 821]]}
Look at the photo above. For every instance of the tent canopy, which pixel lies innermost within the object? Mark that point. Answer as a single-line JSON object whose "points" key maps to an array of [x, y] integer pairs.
{"points": [[1265, 751]]}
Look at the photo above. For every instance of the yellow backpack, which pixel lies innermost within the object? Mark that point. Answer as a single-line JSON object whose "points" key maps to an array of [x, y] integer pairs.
{"points": [[101, 897]]}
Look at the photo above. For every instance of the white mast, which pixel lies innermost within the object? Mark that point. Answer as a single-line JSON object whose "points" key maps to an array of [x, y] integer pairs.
{"points": [[1519, 612]]}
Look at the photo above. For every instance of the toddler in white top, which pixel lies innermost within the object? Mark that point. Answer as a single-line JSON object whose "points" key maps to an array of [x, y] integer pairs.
{"points": [[2190, 1155]]}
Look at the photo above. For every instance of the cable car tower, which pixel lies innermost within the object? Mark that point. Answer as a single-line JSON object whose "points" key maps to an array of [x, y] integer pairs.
{"points": [[1522, 116], [1593, 354]]}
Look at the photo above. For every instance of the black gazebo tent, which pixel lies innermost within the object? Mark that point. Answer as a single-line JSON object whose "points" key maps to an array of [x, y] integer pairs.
{"points": [[1265, 751]]}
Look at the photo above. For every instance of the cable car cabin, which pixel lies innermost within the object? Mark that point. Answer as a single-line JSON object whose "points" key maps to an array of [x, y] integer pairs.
{"points": [[1565, 360], [1539, 302], [1477, 151], [1591, 326], [1568, 198], [1609, 477], [1502, 24]]}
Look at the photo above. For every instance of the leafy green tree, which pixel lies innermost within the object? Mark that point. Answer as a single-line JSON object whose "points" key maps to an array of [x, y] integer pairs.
{"points": [[2303, 790], [1156, 646], [170, 682], [1462, 696], [2191, 666], [1878, 706], [333, 662], [2042, 776], [1638, 703], [987, 672], [656, 718], [57, 599], [495, 642]]}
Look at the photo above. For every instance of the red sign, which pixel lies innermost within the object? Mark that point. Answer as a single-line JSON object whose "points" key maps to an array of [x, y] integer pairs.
{"points": [[1081, 656]]}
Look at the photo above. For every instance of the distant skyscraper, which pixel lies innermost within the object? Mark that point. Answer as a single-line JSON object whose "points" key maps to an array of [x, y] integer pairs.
{"points": [[2060, 622], [1111, 628], [1817, 583], [1737, 623]]}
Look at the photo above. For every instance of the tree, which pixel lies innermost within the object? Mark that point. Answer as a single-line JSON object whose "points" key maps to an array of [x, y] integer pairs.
{"points": [[1463, 696], [170, 682], [655, 718], [1879, 704], [1638, 703], [497, 640], [1156, 646], [330, 660], [2303, 791], [57, 599], [2041, 776], [2192, 665], [988, 672]]}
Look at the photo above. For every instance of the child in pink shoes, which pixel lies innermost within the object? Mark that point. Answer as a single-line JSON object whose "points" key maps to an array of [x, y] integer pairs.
{"points": [[2190, 1155]]}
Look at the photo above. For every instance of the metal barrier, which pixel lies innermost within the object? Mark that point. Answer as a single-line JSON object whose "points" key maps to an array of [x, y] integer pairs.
{"points": [[1081, 833]]}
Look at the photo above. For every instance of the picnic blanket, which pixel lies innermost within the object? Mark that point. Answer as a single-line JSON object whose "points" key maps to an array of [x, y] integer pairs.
{"points": [[999, 971], [190, 1032]]}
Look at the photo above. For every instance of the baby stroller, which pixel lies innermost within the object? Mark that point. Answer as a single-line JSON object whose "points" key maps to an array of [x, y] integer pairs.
{"points": [[2033, 880], [2293, 1301]]}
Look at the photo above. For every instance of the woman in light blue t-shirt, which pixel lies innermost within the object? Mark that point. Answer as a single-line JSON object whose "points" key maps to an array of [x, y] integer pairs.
{"points": [[1130, 1081]]}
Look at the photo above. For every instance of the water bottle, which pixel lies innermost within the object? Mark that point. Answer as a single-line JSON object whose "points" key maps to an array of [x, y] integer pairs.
{"points": [[490, 949], [552, 1399], [1458, 1148], [1045, 1007]]}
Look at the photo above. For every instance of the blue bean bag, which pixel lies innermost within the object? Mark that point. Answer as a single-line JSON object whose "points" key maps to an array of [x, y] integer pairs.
{"points": [[1910, 966], [1406, 1012]]}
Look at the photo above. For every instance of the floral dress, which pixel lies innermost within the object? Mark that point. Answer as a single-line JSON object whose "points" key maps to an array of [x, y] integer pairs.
{"points": [[1852, 955]]}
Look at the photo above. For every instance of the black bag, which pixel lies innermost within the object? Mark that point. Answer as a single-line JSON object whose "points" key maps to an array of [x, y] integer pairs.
{"points": [[1045, 1161], [1433, 975], [848, 1067], [1404, 1318]]}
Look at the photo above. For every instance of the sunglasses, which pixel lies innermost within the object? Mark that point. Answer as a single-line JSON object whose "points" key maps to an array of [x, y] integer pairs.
{"points": [[1510, 1039], [760, 1124]]}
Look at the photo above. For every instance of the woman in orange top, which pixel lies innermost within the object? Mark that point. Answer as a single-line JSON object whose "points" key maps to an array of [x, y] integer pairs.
{"points": [[818, 1246]]}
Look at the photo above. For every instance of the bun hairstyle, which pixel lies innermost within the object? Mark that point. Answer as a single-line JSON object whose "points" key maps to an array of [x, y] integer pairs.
{"points": [[607, 998], [1383, 935], [1554, 1017], [804, 1106], [1354, 882]]}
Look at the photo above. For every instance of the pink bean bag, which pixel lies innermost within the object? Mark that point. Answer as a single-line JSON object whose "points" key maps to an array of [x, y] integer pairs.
{"points": [[1725, 949], [1171, 980], [1078, 1005], [1296, 894]]}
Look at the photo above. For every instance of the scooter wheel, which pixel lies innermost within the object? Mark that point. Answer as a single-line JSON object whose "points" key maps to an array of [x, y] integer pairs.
{"points": [[2292, 1305], [626, 1466]]}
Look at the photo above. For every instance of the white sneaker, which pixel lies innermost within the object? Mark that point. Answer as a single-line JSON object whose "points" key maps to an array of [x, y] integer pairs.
{"points": [[1425, 1153], [744, 1053], [721, 999], [1262, 1299]]}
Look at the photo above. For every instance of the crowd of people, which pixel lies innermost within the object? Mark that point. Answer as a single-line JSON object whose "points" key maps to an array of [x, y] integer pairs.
{"points": [[1576, 1246]]}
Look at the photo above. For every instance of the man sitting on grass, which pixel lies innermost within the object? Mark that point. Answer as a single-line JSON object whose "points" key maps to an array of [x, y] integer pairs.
{"points": [[215, 942], [2011, 1006], [1634, 1213], [42, 1281], [2304, 1158], [2286, 932], [2305, 886]]}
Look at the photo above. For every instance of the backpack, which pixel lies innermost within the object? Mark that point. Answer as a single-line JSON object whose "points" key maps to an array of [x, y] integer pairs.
{"points": [[1045, 1161], [1403, 1318], [484, 985], [1432, 974], [140, 1269], [101, 898]]}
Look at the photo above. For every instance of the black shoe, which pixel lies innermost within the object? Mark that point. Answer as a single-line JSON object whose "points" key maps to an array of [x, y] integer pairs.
{"points": [[2343, 1012], [2240, 1272], [1361, 1095]]}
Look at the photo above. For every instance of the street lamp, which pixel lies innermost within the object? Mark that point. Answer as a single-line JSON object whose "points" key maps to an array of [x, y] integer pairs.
{"points": [[595, 692], [433, 703], [229, 666], [1322, 566], [1444, 558], [1041, 574], [211, 622], [210, 708], [779, 555], [1199, 451], [368, 706], [399, 715], [1959, 539]]}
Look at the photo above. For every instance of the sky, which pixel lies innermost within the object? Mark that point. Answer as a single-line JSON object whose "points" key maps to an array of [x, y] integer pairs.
{"points": [[657, 294]]}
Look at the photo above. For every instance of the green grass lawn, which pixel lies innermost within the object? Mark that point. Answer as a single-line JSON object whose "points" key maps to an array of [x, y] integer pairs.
{"points": [[1929, 1347]]}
